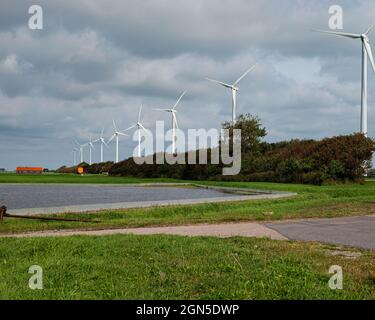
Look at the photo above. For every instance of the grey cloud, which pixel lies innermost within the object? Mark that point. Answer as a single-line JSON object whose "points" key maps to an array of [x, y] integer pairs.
{"points": [[98, 60]]}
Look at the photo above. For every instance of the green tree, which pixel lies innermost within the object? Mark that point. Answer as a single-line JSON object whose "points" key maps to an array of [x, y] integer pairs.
{"points": [[252, 133]]}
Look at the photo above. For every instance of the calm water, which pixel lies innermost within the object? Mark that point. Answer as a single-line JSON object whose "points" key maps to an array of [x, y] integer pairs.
{"points": [[43, 196]]}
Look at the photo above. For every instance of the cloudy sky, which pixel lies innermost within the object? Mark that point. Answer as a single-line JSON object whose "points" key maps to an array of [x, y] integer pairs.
{"points": [[97, 60]]}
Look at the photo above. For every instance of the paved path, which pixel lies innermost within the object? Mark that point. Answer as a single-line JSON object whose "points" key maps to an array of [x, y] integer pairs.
{"points": [[350, 231], [217, 230]]}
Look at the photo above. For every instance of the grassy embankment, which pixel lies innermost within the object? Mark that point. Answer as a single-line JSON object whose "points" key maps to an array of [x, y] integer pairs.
{"points": [[171, 267], [312, 201], [168, 267]]}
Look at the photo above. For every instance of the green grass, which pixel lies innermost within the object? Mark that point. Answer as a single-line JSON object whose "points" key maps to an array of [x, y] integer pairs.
{"points": [[169, 267], [72, 178], [312, 201]]}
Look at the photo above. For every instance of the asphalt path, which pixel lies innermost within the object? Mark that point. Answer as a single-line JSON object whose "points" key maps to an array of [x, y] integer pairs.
{"points": [[350, 231]]}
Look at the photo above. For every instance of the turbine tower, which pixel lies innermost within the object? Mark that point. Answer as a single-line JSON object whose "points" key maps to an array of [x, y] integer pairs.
{"points": [[173, 111], [234, 88], [366, 54], [102, 144], [116, 135], [139, 127]]}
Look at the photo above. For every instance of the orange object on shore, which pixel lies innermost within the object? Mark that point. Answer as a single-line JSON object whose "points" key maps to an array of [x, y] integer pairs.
{"points": [[80, 170], [29, 170]]}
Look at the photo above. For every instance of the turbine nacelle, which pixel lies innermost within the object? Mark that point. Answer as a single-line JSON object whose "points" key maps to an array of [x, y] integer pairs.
{"points": [[366, 55], [234, 89]]}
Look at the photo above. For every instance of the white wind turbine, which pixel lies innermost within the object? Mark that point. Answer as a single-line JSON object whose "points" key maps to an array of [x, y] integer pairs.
{"points": [[116, 135], [234, 88], [102, 144], [75, 150], [173, 111], [90, 144], [366, 54], [139, 127], [80, 148]]}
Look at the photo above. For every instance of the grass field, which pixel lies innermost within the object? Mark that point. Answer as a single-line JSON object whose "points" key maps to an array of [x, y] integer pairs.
{"points": [[312, 201], [172, 267], [168, 267], [72, 178]]}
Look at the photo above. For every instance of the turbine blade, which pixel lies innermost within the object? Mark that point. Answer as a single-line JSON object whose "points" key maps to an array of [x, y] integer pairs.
{"points": [[139, 113], [101, 135], [162, 110], [340, 34], [123, 134], [369, 53], [178, 101], [114, 125], [144, 129], [369, 29], [129, 128], [221, 83], [244, 75], [175, 120], [110, 139], [105, 143]]}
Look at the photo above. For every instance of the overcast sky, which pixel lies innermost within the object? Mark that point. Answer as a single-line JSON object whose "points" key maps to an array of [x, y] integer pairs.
{"points": [[97, 60]]}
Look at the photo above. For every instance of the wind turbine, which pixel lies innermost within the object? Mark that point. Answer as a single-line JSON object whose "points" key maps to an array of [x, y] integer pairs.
{"points": [[102, 144], [75, 150], [116, 135], [173, 111], [366, 54], [139, 127], [90, 144], [234, 88], [80, 148]]}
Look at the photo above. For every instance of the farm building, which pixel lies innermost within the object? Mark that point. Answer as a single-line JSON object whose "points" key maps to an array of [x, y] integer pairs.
{"points": [[29, 170]]}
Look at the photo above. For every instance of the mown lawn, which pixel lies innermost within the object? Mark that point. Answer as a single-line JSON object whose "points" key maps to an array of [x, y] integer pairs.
{"points": [[312, 201], [72, 178], [171, 267]]}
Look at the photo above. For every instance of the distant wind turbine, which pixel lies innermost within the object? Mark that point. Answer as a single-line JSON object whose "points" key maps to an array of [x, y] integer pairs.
{"points": [[102, 144], [90, 144], [234, 88], [75, 150], [116, 135], [366, 54], [139, 127], [173, 111], [80, 148]]}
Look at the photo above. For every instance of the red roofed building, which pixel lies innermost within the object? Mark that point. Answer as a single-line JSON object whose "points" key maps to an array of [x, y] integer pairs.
{"points": [[29, 170]]}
